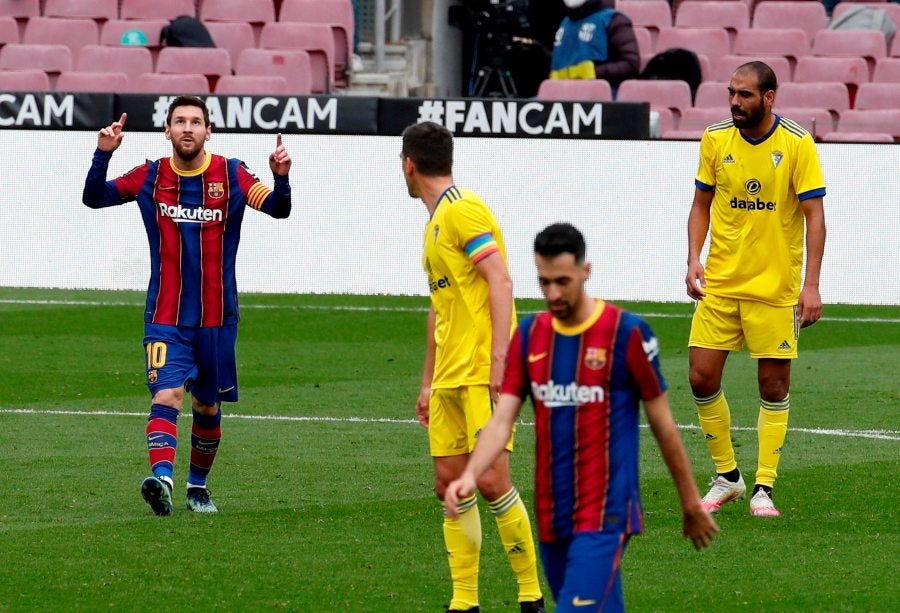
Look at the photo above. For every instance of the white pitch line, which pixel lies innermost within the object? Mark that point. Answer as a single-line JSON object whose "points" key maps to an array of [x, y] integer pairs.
{"points": [[887, 435], [387, 309]]}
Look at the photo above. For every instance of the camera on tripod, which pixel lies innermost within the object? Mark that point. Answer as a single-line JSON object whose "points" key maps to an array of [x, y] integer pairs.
{"points": [[501, 28]]}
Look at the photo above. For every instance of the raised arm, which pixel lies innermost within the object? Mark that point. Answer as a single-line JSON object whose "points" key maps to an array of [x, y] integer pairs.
{"points": [[98, 192]]}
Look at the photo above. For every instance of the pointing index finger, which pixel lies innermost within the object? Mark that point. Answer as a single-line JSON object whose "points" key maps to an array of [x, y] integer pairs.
{"points": [[278, 141], [122, 120]]}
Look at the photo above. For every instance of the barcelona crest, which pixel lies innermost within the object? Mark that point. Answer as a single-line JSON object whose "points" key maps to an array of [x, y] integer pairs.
{"points": [[152, 375], [595, 358], [215, 189]]}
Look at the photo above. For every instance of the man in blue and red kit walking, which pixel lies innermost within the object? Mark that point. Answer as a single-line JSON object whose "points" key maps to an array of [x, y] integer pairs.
{"points": [[192, 205]]}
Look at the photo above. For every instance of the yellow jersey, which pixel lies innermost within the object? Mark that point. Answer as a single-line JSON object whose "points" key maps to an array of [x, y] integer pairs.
{"points": [[757, 223], [461, 233]]}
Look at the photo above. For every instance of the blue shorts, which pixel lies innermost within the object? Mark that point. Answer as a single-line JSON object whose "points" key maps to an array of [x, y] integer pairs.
{"points": [[202, 360], [585, 571]]}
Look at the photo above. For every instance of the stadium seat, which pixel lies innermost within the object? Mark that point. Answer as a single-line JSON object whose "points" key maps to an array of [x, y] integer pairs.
{"points": [[27, 80], [871, 120], [711, 42], [294, 66], [132, 32], [156, 83], [252, 85], [857, 137], [338, 14], [644, 41], [75, 81], [671, 94], [211, 61], [132, 61], [575, 89], [233, 36], [9, 31], [314, 38], [701, 118], [49, 58], [878, 96], [806, 15], [257, 11], [895, 47], [791, 43], [815, 120], [713, 95], [651, 14], [887, 70], [100, 10], [831, 95], [20, 10], [714, 13], [870, 44], [156, 9], [850, 70], [666, 119], [74, 33], [725, 65]]}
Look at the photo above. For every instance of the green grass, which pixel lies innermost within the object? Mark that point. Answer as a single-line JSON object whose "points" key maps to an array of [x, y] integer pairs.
{"points": [[338, 515]]}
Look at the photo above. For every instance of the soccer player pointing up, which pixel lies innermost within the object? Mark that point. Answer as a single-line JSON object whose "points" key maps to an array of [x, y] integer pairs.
{"points": [[192, 204]]}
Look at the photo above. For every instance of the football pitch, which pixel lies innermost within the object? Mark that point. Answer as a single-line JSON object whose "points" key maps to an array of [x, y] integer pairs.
{"points": [[324, 483]]}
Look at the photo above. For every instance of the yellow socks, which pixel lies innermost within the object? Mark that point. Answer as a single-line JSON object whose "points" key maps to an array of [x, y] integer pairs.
{"points": [[462, 538], [772, 429], [515, 534], [715, 421]]}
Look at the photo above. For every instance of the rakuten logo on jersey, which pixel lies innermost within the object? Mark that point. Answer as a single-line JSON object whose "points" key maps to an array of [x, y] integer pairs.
{"points": [[553, 395], [179, 214]]}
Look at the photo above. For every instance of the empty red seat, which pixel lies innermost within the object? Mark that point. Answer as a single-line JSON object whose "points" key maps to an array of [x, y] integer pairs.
{"points": [[252, 85], [895, 46], [132, 32], [314, 38], [850, 70], [791, 43], [156, 9], [575, 89], [806, 15], [26, 80], [74, 81], [713, 13], [887, 70], [670, 94], [20, 9], [644, 40], [871, 120], [651, 14], [711, 42], [232, 35], [878, 96], [156, 83], [831, 95], [815, 120], [338, 14], [49, 58], [257, 11], [74, 33], [9, 30], [858, 137], [869, 44], [132, 61], [293, 65], [211, 61], [701, 118], [88, 9], [724, 66]]}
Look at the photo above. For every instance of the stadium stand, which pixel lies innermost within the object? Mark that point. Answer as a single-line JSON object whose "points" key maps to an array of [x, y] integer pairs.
{"points": [[830, 95], [712, 94], [805, 15], [671, 94], [868, 44], [314, 38], [575, 89], [255, 12], [727, 14], [651, 14], [52, 59], [850, 70], [815, 120], [156, 83], [156, 9], [294, 66], [99, 10], [210, 61], [131, 61], [791, 43], [26, 80], [666, 119], [878, 96], [252, 85], [20, 10], [695, 120], [132, 32], [895, 47], [9, 30], [73, 33], [871, 120], [232, 35], [76, 81], [644, 41], [338, 14], [887, 70], [724, 66], [711, 42]]}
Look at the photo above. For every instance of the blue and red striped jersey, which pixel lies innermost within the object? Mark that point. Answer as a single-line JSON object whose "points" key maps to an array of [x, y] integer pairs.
{"points": [[586, 384], [193, 223]]}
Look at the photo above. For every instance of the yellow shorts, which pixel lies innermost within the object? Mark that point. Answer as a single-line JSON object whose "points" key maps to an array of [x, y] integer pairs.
{"points": [[727, 323], [456, 417]]}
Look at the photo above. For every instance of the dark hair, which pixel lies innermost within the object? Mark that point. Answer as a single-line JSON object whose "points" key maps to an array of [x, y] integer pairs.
{"points": [[188, 101], [764, 75], [560, 238], [430, 147]]}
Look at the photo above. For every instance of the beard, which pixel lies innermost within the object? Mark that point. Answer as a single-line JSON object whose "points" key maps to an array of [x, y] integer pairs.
{"points": [[748, 119], [187, 151]]}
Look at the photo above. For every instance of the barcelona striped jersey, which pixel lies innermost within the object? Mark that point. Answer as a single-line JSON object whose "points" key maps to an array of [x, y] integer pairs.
{"points": [[757, 220], [586, 384], [461, 233], [193, 224]]}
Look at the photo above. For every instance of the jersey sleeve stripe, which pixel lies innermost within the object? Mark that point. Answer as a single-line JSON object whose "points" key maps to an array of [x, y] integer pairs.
{"points": [[703, 187], [813, 193], [257, 194], [480, 247]]}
